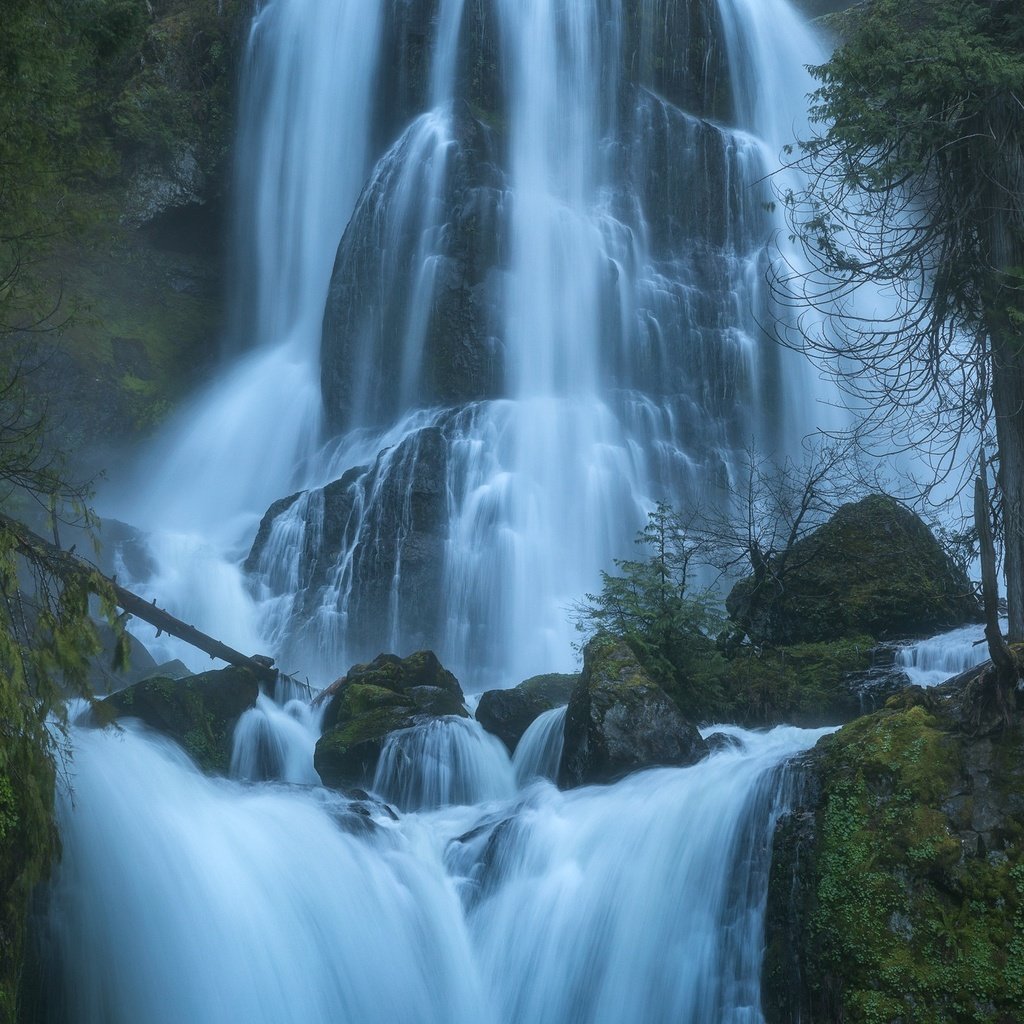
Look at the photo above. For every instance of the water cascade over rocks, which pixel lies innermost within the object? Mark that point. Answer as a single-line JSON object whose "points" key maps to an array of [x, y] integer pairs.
{"points": [[500, 287], [186, 898]]}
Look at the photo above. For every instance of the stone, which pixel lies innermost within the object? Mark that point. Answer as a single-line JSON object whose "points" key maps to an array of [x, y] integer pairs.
{"points": [[873, 569], [507, 714], [199, 712], [897, 877], [373, 700], [619, 721]]}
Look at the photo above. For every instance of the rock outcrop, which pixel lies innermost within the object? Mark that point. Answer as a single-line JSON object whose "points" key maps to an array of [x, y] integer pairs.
{"points": [[507, 714], [373, 700], [897, 886], [873, 569], [199, 712], [619, 721]]}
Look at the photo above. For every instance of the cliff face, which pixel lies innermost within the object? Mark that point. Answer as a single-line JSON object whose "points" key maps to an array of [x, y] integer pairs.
{"points": [[897, 888], [122, 193]]}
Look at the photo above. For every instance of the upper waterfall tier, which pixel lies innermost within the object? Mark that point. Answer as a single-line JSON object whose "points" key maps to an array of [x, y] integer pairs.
{"points": [[508, 258]]}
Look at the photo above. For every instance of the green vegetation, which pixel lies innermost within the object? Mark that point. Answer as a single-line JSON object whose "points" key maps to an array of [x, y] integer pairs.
{"points": [[651, 607], [916, 908], [916, 185]]}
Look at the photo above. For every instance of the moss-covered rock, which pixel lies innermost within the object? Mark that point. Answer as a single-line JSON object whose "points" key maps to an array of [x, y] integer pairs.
{"points": [[199, 712], [507, 714], [809, 685], [373, 700], [873, 569], [897, 888], [619, 721]]}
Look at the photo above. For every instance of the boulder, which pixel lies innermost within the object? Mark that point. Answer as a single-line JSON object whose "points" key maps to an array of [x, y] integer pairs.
{"points": [[507, 714], [809, 685], [873, 569], [373, 700], [897, 879], [199, 712], [619, 721]]}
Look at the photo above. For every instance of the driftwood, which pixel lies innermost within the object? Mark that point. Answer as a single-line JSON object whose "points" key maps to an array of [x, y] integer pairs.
{"points": [[262, 668]]}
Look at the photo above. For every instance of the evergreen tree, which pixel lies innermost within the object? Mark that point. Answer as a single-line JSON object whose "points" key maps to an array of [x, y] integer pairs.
{"points": [[916, 185]]}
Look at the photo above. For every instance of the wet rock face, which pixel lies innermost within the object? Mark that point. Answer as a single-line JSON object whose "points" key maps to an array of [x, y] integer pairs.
{"points": [[391, 512], [199, 712], [619, 721], [507, 714], [897, 882], [373, 700], [874, 569], [448, 311]]}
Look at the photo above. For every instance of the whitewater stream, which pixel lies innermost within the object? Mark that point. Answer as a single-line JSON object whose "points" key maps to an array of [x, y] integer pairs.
{"points": [[485, 899]]}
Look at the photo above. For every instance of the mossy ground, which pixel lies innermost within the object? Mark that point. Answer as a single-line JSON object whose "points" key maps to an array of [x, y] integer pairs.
{"points": [[911, 922]]}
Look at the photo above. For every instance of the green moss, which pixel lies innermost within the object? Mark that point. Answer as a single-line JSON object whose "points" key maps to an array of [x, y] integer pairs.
{"points": [[803, 684], [907, 924]]}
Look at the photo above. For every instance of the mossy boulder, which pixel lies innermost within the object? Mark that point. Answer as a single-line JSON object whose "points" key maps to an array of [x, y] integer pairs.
{"points": [[507, 714], [199, 712], [619, 721], [897, 884], [810, 685], [873, 569], [373, 700]]}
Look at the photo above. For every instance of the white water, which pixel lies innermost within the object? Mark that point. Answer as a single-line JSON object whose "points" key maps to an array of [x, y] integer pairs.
{"points": [[632, 360], [539, 750], [184, 898], [938, 658]]}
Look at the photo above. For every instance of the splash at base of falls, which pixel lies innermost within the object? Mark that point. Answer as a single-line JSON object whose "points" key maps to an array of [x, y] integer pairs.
{"points": [[185, 898]]}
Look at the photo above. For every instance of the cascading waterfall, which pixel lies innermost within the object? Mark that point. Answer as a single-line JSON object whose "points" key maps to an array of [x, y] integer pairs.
{"points": [[181, 897], [500, 289], [539, 750], [937, 658]]}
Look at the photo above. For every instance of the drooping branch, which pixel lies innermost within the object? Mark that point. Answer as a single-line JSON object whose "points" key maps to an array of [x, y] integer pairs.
{"points": [[68, 563]]}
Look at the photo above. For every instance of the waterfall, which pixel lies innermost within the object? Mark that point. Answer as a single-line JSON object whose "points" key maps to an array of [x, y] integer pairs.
{"points": [[938, 658], [499, 288], [180, 897], [539, 749]]}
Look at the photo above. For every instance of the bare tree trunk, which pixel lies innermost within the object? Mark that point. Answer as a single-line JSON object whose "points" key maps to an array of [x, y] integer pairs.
{"points": [[1001, 657]]}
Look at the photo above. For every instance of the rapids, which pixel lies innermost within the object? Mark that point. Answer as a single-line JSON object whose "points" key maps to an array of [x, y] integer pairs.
{"points": [[186, 898]]}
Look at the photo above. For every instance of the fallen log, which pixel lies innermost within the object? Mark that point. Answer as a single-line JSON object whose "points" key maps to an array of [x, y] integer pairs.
{"points": [[68, 561]]}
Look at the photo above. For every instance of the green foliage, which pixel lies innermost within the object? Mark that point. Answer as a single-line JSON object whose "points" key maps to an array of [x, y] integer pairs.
{"points": [[916, 186], [907, 923], [650, 606]]}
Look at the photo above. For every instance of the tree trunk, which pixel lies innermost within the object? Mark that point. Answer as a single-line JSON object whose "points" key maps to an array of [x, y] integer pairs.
{"points": [[1003, 231], [1008, 403]]}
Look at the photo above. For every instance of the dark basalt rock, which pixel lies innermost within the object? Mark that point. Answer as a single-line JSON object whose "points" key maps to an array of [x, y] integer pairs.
{"points": [[394, 510], [373, 700], [199, 712], [873, 569], [507, 714], [366, 319], [619, 721]]}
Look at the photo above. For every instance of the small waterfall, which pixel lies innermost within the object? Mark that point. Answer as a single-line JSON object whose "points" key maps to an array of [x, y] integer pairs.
{"points": [[184, 898], [276, 742], [443, 762], [933, 661], [539, 751]]}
